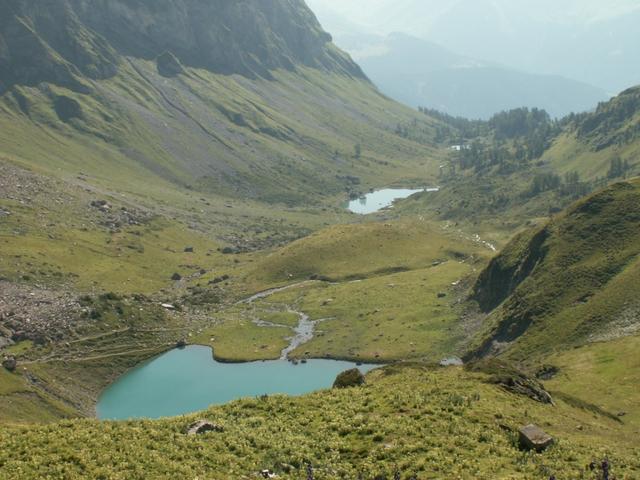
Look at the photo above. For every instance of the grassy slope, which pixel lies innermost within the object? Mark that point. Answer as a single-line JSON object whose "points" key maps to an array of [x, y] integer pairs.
{"points": [[431, 424], [579, 278], [53, 236], [224, 135], [606, 373], [611, 131]]}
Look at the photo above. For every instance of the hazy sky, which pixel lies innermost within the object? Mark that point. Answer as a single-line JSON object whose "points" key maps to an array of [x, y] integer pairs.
{"points": [[594, 41], [418, 16]]}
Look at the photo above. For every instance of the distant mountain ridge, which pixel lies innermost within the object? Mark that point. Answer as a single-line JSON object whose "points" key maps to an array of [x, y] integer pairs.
{"points": [[590, 41], [422, 73]]}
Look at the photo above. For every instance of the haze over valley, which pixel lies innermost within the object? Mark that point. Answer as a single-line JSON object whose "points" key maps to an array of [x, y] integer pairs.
{"points": [[476, 58]]}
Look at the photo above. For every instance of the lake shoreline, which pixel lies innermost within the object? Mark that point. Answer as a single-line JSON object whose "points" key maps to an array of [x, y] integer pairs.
{"points": [[380, 200], [189, 379]]}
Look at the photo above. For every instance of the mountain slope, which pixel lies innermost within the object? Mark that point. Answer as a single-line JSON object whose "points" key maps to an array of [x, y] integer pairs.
{"points": [[145, 148], [593, 140], [90, 37], [522, 166], [573, 281], [174, 93]]}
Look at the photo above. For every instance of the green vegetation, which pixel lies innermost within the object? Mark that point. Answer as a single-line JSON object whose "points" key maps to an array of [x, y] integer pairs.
{"points": [[571, 281], [150, 199], [414, 421], [607, 373], [354, 252], [521, 165]]}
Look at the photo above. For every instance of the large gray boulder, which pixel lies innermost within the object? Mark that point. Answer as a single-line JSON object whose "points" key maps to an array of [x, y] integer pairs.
{"points": [[10, 363], [533, 437]]}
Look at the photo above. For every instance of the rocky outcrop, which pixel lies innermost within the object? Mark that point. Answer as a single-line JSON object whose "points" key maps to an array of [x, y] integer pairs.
{"points": [[67, 108], [203, 426], [511, 379], [65, 41], [509, 269], [349, 378], [10, 363]]}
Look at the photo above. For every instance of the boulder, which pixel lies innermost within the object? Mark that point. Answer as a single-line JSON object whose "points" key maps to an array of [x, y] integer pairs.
{"points": [[181, 343], [10, 363], [533, 437], [547, 372], [349, 378], [203, 426], [176, 277], [101, 205], [451, 362], [188, 249]]}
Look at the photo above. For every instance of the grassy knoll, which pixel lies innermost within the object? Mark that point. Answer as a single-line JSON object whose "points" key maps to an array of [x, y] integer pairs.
{"points": [[357, 251], [419, 422]]}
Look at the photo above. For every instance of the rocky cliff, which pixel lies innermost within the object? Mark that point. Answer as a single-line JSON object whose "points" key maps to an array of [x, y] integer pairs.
{"points": [[62, 41]]}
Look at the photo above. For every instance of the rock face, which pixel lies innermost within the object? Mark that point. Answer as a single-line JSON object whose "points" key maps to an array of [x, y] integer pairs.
{"points": [[62, 41], [349, 378], [511, 379], [203, 426], [534, 438]]}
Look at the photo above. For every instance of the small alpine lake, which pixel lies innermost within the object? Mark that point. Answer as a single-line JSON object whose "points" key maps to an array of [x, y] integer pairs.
{"points": [[187, 380], [380, 199]]}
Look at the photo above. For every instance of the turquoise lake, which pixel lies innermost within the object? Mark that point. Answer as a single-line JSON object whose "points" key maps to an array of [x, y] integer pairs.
{"points": [[376, 201], [187, 380]]}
